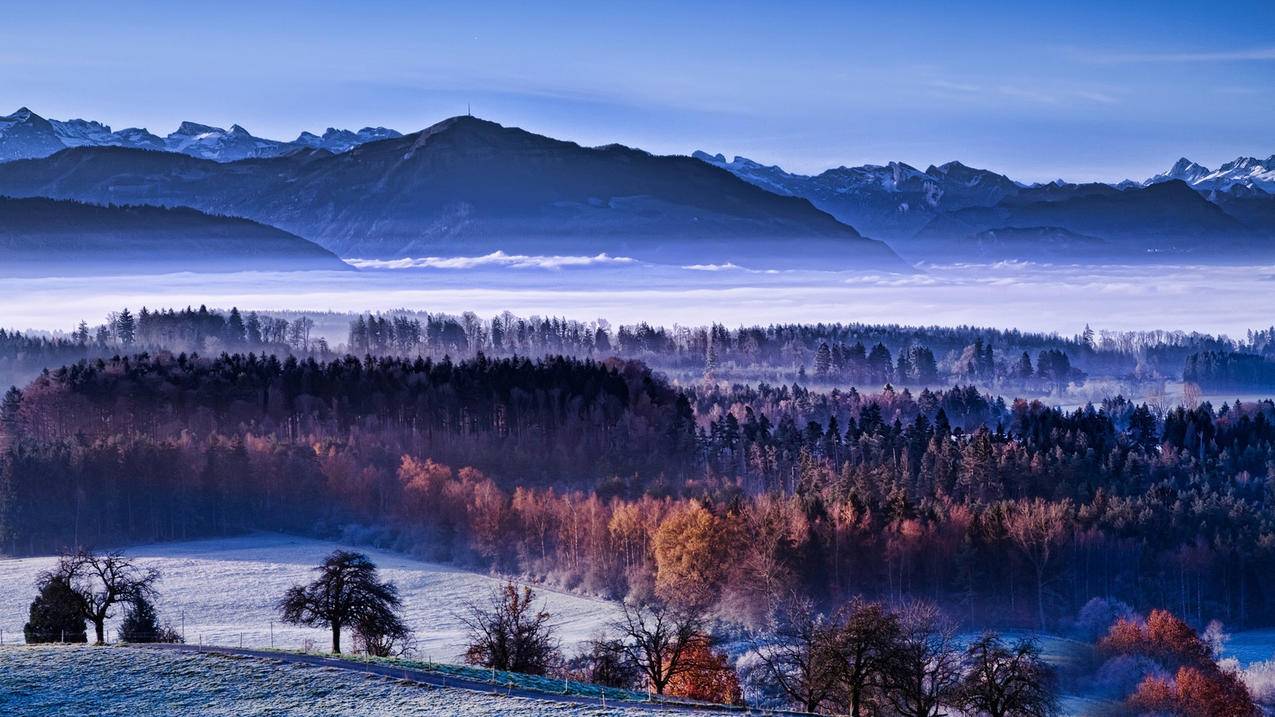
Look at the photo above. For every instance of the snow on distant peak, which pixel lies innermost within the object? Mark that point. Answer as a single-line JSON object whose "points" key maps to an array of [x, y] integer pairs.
{"points": [[26, 135]]}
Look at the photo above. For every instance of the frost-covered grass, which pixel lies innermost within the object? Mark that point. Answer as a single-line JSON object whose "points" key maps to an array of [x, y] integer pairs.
{"points": [[227, 589], [57, 681], [517, 680]]}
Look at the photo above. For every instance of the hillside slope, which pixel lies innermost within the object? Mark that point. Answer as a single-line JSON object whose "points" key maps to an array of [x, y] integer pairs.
{"points": [[62, 681], [469, 186], [41, 236]]}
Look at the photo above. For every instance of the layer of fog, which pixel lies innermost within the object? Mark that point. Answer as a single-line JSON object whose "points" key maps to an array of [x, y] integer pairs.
{"points": [[1027, 296]]}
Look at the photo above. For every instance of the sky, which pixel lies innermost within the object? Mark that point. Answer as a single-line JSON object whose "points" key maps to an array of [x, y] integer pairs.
{"points": [[1080, 90]]}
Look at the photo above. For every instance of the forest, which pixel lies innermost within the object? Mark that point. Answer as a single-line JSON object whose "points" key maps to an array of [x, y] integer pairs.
{"points": [[1088, 366], [605, 477]]}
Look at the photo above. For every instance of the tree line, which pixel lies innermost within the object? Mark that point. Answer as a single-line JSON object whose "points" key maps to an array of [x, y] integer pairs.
{"points": [[826, 354]]}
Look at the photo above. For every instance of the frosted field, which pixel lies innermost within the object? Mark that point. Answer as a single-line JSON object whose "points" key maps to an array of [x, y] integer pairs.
{"points": [[227, 589], [63, 681]]}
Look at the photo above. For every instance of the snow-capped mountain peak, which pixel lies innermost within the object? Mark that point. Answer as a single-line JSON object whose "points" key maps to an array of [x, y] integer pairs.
{"points": [[26, 135], [1247, 172]]}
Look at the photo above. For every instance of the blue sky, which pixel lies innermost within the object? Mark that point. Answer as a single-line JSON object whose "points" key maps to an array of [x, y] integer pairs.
{"points": [[1082, 90]]}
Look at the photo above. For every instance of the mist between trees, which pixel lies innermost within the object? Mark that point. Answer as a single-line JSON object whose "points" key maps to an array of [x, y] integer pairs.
{"points": [[1091, 364]]}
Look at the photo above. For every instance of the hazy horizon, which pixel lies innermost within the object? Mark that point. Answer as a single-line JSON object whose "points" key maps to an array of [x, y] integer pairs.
{"points": [[1044, 298]]}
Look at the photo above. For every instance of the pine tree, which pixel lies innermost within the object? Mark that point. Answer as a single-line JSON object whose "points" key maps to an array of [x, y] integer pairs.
{"points": [[9, 407], [823, 360], [57, 614], [140, 624], [125, 328], [235, 329]]}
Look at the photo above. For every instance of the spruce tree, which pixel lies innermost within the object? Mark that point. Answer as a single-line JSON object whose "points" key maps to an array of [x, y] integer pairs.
{"points": [[57, 614]]}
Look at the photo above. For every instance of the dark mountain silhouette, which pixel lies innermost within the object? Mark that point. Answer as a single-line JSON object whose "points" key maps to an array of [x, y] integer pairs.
{"points": [[56, 237], [467, 185], [1165, 219]]}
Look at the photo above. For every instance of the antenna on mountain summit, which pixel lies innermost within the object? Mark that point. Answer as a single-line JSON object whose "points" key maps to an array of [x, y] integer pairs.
{"points": [[469, 110]]}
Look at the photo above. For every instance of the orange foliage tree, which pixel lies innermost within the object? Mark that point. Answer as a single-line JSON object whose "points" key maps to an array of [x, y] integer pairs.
{"points": [[1164, 637], [688, 548], [1194, 692], [708, 675]]}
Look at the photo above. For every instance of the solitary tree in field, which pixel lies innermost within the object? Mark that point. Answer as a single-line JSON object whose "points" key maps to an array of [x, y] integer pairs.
{"points": [[100, 582], [347, 593]]}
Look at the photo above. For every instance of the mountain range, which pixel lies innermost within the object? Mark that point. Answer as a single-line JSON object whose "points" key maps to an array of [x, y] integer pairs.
{"points": [[466, 186], [26, 135], [953, 211]]}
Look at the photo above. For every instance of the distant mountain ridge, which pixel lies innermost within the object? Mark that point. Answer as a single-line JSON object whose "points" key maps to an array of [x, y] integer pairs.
{"points": [[466, 186], [889, 201], [26, 135], [40, 236], [952, 209]]}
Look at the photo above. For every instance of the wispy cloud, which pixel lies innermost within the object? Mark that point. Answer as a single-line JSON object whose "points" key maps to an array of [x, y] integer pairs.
{"points": [[1252, 55], [955, 86], [494, 259], [1038, 94]]}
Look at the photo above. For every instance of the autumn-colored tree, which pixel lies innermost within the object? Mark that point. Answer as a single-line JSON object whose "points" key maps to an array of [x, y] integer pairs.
{"points": [[708, 675], [1164, 637], [1155, 695], [1205, 693], [1194, 692], [687, 549], [1037, 528]]}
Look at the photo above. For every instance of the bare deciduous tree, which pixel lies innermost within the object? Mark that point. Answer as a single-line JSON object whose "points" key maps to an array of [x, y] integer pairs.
{"points": [[1007, 681], [511, 633], [1036, 529], [867, 635], [800, 656], [657, 637], [100, 582], [923, 672]]}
